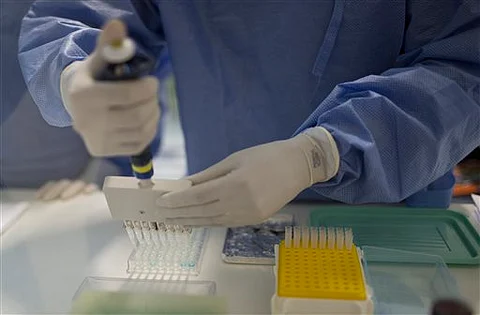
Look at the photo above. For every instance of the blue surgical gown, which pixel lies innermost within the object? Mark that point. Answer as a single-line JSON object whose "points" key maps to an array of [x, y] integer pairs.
{"points": [[395, 82], [31, 151]]}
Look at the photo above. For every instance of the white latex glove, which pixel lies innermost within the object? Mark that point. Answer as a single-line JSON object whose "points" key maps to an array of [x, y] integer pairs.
{"points": [[251, 185], [64, 189], [113, 118]]}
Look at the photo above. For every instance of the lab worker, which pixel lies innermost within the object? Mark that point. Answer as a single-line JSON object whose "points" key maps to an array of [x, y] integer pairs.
{"points": [[32, 152], [352, 101], [34, 155]]}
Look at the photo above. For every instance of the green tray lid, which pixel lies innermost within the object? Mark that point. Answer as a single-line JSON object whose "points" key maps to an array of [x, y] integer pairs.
{"points": [[444, 233]]}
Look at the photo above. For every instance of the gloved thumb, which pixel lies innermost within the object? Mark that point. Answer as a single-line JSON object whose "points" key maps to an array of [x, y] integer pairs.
{"points": [[114, 30]]}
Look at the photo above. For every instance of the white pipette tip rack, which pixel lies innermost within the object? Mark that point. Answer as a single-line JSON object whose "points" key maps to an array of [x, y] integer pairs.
{"points": [[158, 248]]}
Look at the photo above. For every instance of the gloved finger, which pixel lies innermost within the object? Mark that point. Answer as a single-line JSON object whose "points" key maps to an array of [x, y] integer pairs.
{"points": [[56, 190], [120, 95], [149, 129], [90, 188], [119, 148], [220, 169], [129, 136], [113, 30], [200, 221], [136, 141], [105, 147], [151, 124], [135, 119], [42, 190], [75, 188], [183, 202], [128, 148]]}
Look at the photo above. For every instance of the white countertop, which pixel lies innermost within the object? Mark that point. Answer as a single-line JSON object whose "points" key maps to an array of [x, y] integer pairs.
{"points": [[53, 247]]}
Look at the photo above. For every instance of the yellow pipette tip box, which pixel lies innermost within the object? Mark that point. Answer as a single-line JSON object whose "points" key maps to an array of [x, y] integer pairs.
{"points": [[320, 273]]}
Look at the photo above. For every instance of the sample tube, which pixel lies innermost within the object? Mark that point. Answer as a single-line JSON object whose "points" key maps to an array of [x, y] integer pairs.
{"points": [[296, 236], [348, 238], [331, 239], [340, 238], [162, 233], [323, 238], [288, 236], [305, 236], [146, 233], [131, 234], [154, 233], [314, 236], [137, 228]]}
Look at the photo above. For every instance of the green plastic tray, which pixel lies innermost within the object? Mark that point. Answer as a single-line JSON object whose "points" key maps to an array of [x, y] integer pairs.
{"points": [[445, 233]]}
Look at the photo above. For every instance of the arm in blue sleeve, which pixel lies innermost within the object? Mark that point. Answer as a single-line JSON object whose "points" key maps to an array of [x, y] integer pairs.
{"points": [[57, 33], [399, 131]]}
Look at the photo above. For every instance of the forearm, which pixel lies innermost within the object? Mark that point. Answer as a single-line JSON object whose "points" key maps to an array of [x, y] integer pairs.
{"points": [[396, 133], [55, 34]]}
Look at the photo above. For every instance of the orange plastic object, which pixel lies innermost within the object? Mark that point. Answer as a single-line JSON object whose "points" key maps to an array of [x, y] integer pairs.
{"points": [[320, 273], [465, 189]]}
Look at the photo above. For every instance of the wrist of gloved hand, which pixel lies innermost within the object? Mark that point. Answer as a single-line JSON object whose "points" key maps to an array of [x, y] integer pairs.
{"points": [[321, 154], [66, 78]]}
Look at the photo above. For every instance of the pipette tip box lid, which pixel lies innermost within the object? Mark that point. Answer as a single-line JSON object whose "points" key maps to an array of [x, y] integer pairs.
{"points": [[101, 295], [406, 282]]}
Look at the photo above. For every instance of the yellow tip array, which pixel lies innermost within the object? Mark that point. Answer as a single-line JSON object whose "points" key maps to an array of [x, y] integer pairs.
{"points": [[310, 270]]}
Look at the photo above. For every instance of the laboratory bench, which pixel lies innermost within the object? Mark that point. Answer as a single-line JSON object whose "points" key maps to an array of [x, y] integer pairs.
{"points": [[54, 246]]}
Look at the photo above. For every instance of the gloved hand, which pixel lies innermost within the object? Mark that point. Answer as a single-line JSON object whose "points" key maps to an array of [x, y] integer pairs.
{"points": [[251, 185], [113, 118], [88, 182], [64, 189]]}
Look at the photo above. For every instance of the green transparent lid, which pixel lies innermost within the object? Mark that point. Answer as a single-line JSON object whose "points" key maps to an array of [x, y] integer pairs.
{"points": [[403, 286], [444, 233]]}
